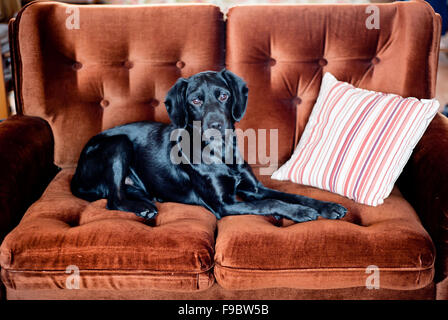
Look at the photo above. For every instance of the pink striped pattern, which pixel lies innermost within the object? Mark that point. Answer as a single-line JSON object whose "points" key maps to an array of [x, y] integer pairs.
{"points": [[357, 142]]}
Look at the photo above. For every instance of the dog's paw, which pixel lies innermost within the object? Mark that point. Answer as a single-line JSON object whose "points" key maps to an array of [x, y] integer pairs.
{"points": [[147, 214], [332, 211], [146, 210], [304, 214], [141, 208]]}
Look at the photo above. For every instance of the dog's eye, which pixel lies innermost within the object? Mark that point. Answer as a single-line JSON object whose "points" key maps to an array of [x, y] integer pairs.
{"points": [[223, 97], [196, 102]]}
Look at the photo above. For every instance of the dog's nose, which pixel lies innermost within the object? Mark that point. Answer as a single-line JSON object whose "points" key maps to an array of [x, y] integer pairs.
{"points": [[215, 125]]}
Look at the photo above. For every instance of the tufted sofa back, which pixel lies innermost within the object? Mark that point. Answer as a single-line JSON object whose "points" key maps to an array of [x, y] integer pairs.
{"points": [[283, 51], [114, 69], [117, 67]]}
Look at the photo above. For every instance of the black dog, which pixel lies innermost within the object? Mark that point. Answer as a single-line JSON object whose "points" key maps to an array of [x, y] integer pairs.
{"points": [[132, 165]]}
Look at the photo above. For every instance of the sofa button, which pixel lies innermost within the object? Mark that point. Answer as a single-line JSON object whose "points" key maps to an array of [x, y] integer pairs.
{"points": [[323, 62], [128, 64], [77, 65], [375, 60], [180, 64], [296, 100], [154, 103], [104, 103], [272, 62]]}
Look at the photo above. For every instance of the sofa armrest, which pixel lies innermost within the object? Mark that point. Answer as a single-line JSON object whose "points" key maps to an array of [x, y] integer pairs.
{"points": [[424, 183], [26, 166]]}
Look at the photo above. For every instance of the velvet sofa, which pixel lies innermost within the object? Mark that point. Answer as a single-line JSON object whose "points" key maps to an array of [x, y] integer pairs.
{"points": [[116, 68]]}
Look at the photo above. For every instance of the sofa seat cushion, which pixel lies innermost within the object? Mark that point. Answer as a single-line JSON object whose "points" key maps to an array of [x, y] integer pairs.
{"points": [[260, 252], [112, 249]]}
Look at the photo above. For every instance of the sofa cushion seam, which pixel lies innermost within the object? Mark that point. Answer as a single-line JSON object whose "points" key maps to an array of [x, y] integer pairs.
{"points": [[217, 265], [130, 271]]}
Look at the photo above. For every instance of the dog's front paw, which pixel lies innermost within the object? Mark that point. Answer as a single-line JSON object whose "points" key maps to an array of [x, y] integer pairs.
{"points": [[145, 209], [304, 214], [147, 213], [330, 210]]}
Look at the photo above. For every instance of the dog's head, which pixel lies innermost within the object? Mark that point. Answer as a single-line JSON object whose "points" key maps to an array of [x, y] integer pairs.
{"points": [[216, 99]]}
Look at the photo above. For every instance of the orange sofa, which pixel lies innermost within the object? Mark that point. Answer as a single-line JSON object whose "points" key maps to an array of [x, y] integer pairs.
{"points": [[116, 67]]}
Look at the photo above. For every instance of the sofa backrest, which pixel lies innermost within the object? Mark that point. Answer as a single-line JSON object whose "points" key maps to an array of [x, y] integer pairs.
{"points": [[282, 51], [118, 65], [114, 69]]}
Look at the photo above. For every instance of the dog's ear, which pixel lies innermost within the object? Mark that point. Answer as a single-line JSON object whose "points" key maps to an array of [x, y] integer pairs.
{"points": [[239, 93], [175, 103]]}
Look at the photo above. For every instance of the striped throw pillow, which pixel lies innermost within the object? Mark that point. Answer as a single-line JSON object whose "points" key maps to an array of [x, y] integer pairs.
{"points": [[357, 142]]}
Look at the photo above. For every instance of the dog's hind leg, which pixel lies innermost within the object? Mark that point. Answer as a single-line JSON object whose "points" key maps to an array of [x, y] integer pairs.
{"points": [[267, 207], [104, 165], [122, 196], [251, 189]]}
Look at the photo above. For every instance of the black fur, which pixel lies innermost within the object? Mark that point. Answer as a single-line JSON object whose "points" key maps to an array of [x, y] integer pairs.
{"points": [[131, 166]]}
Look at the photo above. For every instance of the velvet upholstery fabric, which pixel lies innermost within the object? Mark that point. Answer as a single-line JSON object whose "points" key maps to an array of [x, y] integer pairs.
{"points": [[283, 51], [424, 183], [116, 249], [86, 80], [112, 249], [115, 69], [216, 292], [325, 254], [26, 166]]}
